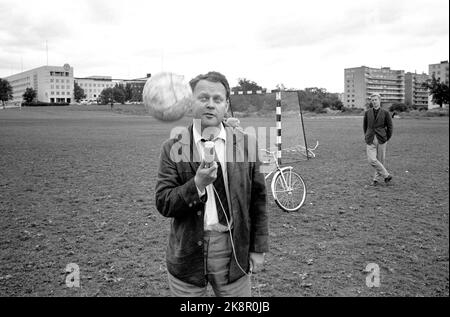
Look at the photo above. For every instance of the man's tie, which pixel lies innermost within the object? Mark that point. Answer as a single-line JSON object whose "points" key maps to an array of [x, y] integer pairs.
{"points": [[221, 195]]}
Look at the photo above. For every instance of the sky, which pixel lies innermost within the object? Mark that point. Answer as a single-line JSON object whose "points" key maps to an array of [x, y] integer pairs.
{"points": [[297, 43]]}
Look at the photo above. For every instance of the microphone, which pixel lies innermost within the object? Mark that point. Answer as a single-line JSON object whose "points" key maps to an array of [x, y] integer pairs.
{"points": [[209, 152]]}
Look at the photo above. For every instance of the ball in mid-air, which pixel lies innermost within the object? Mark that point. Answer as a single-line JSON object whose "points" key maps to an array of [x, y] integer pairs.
{"points": [[167, 96]]}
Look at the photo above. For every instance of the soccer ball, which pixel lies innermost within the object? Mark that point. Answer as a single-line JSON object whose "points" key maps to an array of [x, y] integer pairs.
{"points": [[167, 96]]}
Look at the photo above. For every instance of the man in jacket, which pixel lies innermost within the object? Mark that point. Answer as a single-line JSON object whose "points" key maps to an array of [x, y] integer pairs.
{"points": [[219, 228], [378, 129]]}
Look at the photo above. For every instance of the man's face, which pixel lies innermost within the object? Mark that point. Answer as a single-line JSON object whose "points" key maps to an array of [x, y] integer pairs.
{"points": [[210, 103], [376, 101]]}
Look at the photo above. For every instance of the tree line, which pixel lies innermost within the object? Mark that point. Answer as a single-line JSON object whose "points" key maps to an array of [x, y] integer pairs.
{"points": [[117, 94], [311, 99]]}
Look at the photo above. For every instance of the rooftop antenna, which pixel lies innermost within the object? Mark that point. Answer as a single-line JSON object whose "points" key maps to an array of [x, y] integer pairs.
{"points": [[162, 59], [21, 64], [46, 48]]}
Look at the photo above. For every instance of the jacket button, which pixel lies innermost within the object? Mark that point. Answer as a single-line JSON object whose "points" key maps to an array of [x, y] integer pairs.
{"points": [[200, 243], [199, 213]]}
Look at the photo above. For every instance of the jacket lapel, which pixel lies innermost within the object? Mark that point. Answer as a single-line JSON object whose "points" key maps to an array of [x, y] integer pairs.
{"points": [[234, 153], [194, 154], [371, 117], [189, 151]]}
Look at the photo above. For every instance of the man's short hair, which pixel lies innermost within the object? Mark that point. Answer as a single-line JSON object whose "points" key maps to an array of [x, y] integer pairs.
{"points": [[214, 77], [375, 95]]}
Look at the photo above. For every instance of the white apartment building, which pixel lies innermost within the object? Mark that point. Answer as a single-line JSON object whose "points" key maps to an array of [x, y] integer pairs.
{"points": [[53, 84], [93, 85], [361, 82]]}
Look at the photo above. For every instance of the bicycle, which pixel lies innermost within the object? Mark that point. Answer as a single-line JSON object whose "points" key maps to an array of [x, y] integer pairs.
{"points": [[288, 188]]}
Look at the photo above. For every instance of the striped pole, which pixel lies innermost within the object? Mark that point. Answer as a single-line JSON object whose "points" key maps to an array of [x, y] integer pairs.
{"points": [[278, 98]]}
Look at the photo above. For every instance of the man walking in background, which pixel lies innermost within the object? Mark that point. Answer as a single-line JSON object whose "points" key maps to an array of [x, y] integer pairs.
{"points": [[377, 131]]}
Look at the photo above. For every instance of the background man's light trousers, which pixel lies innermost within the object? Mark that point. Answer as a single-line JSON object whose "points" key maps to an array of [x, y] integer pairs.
{"points": [[376, 154], [218, 254]]}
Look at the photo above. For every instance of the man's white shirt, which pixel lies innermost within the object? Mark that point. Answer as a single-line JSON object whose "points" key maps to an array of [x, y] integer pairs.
{"points": [[211, 218]]}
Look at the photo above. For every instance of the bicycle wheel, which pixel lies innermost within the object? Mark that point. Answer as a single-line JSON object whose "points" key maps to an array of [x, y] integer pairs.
{"points": [[289, 191]]}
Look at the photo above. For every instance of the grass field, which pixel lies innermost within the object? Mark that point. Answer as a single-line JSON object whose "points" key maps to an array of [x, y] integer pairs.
{"points": [[77, 186]]}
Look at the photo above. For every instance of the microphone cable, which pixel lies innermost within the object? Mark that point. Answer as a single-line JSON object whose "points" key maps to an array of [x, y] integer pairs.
{"points": [[250, 274]]}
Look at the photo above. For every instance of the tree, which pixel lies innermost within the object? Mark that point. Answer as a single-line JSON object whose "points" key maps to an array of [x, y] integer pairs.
{"points": [[246, 85], [106, 96], [128, 92], [119, 94], [110, 95], [438, 90], [29, 95], [78, 92], [398, 107], [5, 91], [136, 95], [337, 105]]}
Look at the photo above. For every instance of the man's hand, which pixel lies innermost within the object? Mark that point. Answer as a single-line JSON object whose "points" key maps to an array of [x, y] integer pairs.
{"points": [[256, 261], [206, 174]]}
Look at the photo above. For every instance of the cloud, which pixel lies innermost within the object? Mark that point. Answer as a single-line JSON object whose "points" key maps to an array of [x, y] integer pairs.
{"points": [[298, 43], [101, 11], [25, 30], [353, 22]]}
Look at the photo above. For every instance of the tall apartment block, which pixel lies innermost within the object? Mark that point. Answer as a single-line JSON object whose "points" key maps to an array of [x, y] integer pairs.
{"points": [[52, 83], [416, 95], [361, 82], [439, 71]]}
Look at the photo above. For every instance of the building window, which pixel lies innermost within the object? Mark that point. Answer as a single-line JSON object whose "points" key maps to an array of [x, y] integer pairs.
{"points": [[52, 86], [51, 80], [52, 93], [57, 92]]}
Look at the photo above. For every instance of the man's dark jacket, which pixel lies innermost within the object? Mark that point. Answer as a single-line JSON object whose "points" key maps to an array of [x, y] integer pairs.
{"points": [[177, 198], [381, 126]]}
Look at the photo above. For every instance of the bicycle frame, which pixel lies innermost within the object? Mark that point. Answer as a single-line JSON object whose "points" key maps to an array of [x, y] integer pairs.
{"points": [[277, 170]]}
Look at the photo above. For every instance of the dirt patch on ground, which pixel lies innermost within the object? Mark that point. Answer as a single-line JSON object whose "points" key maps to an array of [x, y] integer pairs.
{"points": [[78, 187]]}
